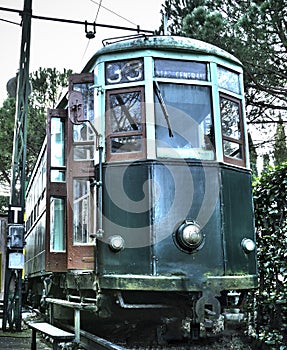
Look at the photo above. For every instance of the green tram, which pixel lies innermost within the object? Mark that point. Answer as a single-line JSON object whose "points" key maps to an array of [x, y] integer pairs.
{"points": [[139, 211]]}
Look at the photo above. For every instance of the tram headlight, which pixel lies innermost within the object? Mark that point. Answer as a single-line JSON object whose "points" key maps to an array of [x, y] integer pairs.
{"points": [[248, 245], [189, 236], [116, 243]]}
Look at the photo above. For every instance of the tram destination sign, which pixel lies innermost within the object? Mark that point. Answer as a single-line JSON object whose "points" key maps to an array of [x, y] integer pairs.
{"points": [[177, 69]]}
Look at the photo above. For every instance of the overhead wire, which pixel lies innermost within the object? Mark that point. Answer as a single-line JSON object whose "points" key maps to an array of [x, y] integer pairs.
{"points": [[6, 20], [100, 4], [88, 43], [95, 2], [63, 20]]}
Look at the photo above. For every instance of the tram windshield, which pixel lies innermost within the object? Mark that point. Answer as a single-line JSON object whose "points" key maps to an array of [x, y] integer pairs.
{"points": [[184, 122]]}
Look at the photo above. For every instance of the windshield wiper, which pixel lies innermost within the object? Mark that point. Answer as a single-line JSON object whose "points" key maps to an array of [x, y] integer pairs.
{"points": [[163, 106]]}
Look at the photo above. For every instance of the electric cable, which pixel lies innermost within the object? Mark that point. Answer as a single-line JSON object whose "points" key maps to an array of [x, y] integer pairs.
{"points": [[70, 21], [6, 20], [95, 2], [88, 43]]}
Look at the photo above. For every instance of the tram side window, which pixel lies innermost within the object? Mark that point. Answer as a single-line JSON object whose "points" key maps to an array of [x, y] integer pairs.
{"points": [[82, 204], [125, 123], [57, 150], [232, 130], [83, 135], [228, 80], [57, 225], [186, 130]]}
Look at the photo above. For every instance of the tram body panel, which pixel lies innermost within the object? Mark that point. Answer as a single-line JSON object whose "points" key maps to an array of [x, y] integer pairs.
{"points": [[126, 213], [238, 221], [188, 202], [35, 251]]}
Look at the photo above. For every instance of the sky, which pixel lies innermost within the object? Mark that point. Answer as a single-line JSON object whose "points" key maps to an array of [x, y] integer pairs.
{"points": [[63, 45]]}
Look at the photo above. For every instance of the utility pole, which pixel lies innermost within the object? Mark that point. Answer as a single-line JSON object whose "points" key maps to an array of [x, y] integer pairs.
{"points": [[15, 235]]}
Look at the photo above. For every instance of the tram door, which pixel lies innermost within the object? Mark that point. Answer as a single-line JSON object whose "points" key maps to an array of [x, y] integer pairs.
{"points": [[80, 167]]}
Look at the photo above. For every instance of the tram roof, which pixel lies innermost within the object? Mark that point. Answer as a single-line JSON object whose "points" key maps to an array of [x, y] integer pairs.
{"points": [[164, 43]]}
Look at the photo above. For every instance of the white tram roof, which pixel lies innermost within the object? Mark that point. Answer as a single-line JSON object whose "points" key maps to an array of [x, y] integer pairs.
{"points": [[164, 43]]}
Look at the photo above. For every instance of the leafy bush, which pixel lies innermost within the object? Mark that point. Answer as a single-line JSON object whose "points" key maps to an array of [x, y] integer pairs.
{"points": [[4, 201], [270, 203]]}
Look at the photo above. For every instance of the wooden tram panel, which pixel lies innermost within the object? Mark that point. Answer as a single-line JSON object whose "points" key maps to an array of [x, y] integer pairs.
{"points": [[74, 256], [54, 261], [79, 256]]}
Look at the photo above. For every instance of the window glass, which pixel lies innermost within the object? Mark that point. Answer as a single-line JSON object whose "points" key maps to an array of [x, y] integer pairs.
{"points": [[58, 175], [177, 69], [190, 119], [57, 225], [57, 142], [125, 125], [228, 80], [232, 149], [230, 118], [57, 150], [126, 144], [125, 71], [81, 210], [83, 152], [125, 111], [83, 135]]}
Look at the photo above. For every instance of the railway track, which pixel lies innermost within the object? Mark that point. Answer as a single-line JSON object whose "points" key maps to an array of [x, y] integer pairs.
{"points": [[231, 339], [92, 342]]}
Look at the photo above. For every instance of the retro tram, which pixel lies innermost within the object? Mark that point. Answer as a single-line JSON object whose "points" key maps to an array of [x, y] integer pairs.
{"points": [[139, 210]]}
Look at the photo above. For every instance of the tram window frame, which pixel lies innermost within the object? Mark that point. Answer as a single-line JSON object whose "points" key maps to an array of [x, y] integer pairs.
{"points": [[85, 213], [61, 235], [183, 144], [83, 135], [228, 79], [188, 70], [124, 71], [130, 134], [237, 142], [57, 165]]}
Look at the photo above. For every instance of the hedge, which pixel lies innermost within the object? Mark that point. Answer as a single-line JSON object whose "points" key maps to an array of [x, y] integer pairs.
{"points": [[269, 320]]}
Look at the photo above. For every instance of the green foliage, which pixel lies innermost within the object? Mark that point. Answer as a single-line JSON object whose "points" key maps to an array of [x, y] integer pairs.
{"points": [[4, 202], [7, 120], [253, 156], [48, 85], [280, 149], [271, 221]]}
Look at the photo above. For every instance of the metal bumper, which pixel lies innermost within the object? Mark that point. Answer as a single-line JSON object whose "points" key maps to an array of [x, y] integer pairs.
{"points": [[175, 283]]}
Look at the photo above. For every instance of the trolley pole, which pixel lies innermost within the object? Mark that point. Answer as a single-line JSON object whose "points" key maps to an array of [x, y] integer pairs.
{"points": [[15, 235]]}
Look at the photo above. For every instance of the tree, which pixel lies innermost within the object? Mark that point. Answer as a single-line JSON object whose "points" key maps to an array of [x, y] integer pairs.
{"points": [[280, 149], [7, 116], [3, 204], [48, 85], [266, 162], [253, 156], [255, 32]]}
